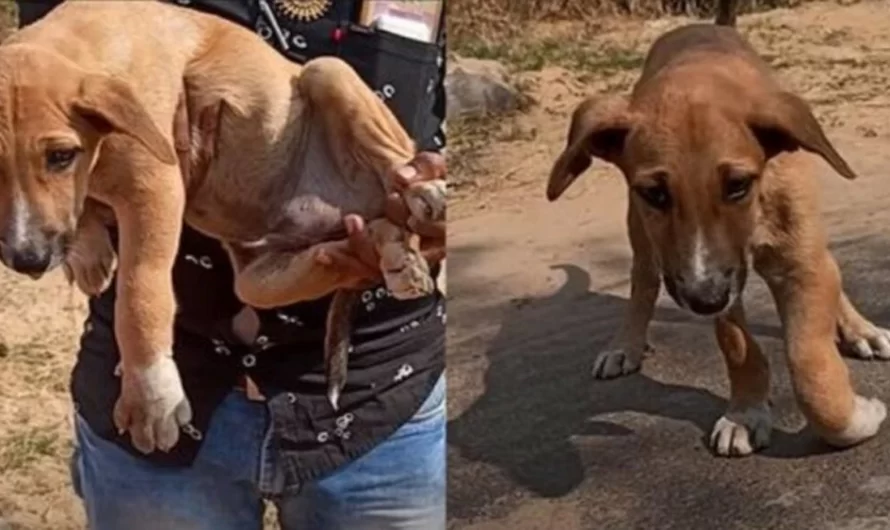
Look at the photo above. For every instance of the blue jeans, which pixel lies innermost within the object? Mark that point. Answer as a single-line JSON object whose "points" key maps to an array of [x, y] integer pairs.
{"points": [[398, 485]]}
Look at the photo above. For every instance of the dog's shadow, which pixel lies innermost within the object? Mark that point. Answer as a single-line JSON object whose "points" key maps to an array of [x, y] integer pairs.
{"points": [[540, 394]]}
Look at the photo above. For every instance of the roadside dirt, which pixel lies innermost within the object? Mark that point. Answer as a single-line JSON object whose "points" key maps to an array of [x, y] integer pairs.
{"points": [[537, 288]]}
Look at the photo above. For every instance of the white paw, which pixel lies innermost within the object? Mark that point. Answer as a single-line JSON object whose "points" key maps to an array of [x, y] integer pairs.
{"points": [[874, 342], [152, 405], [868, 414], [427, 200], [741, 432], [615, 362]]}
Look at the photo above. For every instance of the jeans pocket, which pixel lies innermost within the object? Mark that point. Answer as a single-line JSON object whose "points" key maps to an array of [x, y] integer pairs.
{"points": [[434, 406]]}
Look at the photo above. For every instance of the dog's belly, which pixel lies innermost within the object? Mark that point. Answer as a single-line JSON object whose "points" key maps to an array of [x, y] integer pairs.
{"points": [[310, 212]]}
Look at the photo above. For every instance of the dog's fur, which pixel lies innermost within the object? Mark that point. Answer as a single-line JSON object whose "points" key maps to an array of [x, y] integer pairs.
{"points": [[710, 147], [93, 100]]}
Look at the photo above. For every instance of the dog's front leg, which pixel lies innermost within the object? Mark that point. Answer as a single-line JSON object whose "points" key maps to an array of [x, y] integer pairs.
{"points": [[747, 423], [624, 354], [808, 304], [152, 405], [858, 335]]}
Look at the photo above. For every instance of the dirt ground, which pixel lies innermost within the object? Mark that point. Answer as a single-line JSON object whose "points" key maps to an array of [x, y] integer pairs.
{"points": [[537, 288]]}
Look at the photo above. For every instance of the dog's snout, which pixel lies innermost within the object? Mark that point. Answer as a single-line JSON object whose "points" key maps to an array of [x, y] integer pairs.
{"points": [[705, 296], [32, 260]]}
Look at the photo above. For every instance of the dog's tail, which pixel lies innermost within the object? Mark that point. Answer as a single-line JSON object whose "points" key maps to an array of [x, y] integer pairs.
{"points": [[726, 11]]}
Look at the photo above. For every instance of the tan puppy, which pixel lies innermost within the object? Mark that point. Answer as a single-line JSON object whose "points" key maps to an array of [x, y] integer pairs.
{"points": [[88, 101], [710, 147]]}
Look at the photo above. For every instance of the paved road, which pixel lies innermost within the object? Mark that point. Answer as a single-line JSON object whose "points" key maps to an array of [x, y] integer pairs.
{"points": [[536, 444]]}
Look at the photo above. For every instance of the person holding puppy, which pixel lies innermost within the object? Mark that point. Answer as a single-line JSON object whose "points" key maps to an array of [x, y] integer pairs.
{"points": [[262, 427]]}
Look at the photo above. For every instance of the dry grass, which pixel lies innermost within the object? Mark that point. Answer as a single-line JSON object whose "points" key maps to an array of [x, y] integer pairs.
{"points": [[493, 20]]}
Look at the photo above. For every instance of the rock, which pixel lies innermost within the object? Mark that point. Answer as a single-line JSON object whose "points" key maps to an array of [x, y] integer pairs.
{"points": [[477, 87]]}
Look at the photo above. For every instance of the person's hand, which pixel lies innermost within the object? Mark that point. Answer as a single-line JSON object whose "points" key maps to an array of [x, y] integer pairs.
{"points": [[356, 256]]}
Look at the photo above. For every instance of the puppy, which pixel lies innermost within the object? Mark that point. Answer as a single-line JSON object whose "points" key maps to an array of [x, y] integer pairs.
{"points": [[710, 146], [88, 101], [90, 261]]}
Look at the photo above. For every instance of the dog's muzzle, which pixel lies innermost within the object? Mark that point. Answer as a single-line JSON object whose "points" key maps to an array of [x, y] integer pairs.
{"points": [[707, 296], [34, 258]]}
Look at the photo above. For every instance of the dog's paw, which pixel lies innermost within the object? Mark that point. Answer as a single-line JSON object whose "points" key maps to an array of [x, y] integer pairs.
{"points": [[618, 361], [91, 261], [742, 432], [92, 274], [427, 200], [868, 415], [152, 405], [867, 342], [406, 273]]}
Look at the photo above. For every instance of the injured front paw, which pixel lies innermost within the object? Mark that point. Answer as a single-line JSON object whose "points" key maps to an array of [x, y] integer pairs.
{"points": [[427, 201], [406, 273]]}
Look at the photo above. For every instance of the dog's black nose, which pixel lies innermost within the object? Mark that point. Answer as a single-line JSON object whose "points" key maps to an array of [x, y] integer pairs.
{"points": [[708, 301], [32, 261]]}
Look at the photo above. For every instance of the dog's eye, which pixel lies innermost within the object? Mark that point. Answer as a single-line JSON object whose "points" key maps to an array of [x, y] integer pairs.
{"points": [[60, 159], [656, 196], [736, 189]]}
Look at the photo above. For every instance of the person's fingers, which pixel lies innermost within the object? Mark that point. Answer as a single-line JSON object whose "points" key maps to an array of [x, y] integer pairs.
{"points": [[396, 210], [404, 176], [426, 165], [430, 230], [359, 241], [433, 255], [398, 213]]}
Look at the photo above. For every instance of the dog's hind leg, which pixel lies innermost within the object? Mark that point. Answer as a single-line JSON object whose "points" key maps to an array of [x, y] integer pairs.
{"points": [[858, 336], [361, 131], [808, 304], [624, 354], [747, 423]]}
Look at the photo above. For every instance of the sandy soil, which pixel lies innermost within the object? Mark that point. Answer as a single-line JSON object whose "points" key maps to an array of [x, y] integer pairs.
{"points": [[538, 288]]}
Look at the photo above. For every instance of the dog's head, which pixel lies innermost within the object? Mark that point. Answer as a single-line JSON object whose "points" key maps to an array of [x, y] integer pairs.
{"points": [[695, 164], [53, 118]]}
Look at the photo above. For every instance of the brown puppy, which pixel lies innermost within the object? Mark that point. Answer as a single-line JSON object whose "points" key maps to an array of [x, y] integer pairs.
{"points": [[710, 147], [88, 99]]}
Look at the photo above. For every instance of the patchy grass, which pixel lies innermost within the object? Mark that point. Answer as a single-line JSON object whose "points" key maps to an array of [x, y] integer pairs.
{"points": [[533, 55], [502, 20], [22, 449], [468, 137]]}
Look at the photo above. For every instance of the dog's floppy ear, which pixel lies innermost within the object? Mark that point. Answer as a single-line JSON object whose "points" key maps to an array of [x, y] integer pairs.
{"points": [[598, 129], [784, 122], [111, 106]]}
